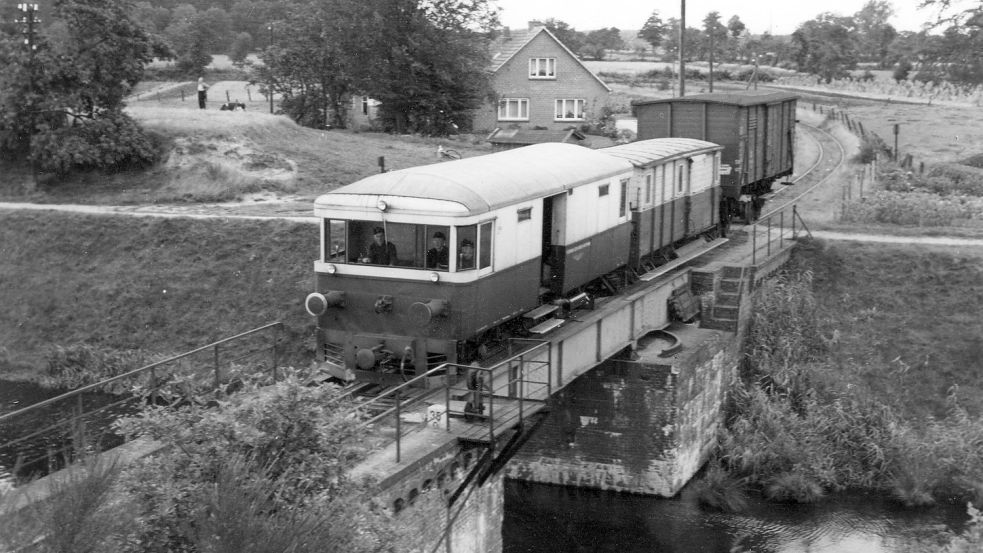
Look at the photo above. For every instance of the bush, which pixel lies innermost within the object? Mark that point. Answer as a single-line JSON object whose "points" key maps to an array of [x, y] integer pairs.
{"points": [[921, 209], [793, 487], [110, 142], [718, 490], [262, 466], [77, 365]]}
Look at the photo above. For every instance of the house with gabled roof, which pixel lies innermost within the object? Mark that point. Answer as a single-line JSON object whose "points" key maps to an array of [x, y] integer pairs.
{"points": [[539, 83]]}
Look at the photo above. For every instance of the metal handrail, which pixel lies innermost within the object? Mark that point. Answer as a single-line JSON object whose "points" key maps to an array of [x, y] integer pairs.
{"points": [[135, 372], [79, 412], [486, 391], [769, 221]]}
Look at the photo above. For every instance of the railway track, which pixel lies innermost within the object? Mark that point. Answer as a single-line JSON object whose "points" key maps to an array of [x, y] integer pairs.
{"points": [[831, 158]]}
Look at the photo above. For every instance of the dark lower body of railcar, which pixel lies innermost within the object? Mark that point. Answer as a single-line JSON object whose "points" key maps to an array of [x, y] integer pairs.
{"points": [[385, 329], [578, 264], [659, 229]]}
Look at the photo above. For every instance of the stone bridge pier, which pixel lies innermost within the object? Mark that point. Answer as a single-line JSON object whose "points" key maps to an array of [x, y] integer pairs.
{"points": [[644, 421]]}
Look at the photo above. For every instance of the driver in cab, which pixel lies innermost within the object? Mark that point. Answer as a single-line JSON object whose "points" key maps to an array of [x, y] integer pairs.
{"points": [[380, 252]]}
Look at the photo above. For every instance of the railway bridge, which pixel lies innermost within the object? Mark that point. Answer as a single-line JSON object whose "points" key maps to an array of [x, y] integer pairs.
{"points": [[624, 396]]}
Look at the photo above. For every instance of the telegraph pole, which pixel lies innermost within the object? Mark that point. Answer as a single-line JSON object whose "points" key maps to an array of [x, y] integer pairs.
{"points": [[682, 46], [29, 20]]}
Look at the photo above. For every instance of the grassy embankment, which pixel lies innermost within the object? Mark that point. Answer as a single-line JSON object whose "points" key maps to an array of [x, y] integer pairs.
{"points": [[213, 155], [863, 372], [162, 286]]}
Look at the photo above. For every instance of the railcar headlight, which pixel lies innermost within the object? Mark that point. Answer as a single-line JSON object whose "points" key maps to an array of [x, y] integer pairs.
{"points": [[382, 205], [434, 277], [331, 268]]}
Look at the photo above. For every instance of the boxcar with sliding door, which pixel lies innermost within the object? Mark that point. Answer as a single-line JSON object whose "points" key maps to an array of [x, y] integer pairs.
{"points": [[756, 129]]}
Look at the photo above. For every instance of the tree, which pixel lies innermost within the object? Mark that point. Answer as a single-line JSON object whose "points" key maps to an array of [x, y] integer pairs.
{"points": [[735, 26], [654, 31], [570, 37], [716, 37], [602, 40], [825, 46], [424, 63], [428, 68], [62, 106], [874, 33], [195, 36], [241, 46]]}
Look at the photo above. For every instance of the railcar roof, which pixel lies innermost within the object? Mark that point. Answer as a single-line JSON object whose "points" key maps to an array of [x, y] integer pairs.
{"points": [[749, 98], [488, 182], [644, 152]]}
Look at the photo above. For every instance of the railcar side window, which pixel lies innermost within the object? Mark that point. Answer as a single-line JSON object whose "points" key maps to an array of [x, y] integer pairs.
{"points": [[624, 197], [334, 241], [467, 246], [648, 189], [485, 245]]}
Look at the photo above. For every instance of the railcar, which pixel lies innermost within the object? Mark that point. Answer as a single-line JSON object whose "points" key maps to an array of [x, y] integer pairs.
{"points": [[756, 129], [674, 194], [543, 221]]}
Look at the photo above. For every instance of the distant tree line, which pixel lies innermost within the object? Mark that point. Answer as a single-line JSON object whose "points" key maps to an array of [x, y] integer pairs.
{"points": [[831, 45]]}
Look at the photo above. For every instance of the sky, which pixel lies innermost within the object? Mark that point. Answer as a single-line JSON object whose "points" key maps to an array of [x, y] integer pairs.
{"points": [[779, 17]]}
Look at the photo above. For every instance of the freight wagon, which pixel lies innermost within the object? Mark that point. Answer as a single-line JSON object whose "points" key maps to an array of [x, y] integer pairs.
{"points": [[756, 129]]}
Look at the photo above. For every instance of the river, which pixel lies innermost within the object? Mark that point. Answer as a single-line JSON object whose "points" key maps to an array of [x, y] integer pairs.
{"points": [[548, 519]]}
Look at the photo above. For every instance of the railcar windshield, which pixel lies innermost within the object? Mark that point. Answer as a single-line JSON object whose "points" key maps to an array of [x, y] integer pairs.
{"points": [[420, 246]]}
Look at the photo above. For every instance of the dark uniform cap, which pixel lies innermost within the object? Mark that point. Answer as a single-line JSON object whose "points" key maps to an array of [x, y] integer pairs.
{"points": [[439, 234], [378, 230], [467, 242]]}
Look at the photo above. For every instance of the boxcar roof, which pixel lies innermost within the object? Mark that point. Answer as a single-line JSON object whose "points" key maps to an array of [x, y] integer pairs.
{"points": [[750, 98], [645, 152], [484, 183]]}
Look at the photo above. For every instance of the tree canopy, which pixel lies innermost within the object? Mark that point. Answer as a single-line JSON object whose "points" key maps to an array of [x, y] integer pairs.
{"points": [[426, 69], [61, 104]]}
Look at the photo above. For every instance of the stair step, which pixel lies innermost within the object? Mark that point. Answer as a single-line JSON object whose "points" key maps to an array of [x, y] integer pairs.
{"points": [[547, 326]]}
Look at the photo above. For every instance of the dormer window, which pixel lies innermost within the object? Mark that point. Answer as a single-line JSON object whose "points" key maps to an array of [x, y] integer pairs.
{"points": [[542, 68]]}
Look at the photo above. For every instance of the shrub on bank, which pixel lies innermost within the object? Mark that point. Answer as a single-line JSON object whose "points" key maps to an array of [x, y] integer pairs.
{"points": [[920, 209], [796, 429]]}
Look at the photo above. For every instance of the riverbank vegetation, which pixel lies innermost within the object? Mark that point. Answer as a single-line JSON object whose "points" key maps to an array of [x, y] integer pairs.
{"points": [[862, 372], [262, 470]]}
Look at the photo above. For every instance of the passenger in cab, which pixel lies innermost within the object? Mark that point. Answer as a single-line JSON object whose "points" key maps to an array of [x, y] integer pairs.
{"points": [[380, 251], [465, 259], [438, 256]]}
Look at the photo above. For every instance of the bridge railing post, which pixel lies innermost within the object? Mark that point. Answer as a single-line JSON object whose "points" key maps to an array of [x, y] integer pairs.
{"points": [[754, 243], [781, 230], [768, 245]]}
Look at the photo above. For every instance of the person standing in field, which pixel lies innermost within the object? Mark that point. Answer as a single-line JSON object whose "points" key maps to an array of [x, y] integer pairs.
{"points": [[202, 92]]}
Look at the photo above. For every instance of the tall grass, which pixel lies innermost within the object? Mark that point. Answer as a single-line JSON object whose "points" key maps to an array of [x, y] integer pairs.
{"points": [[801, 425]]}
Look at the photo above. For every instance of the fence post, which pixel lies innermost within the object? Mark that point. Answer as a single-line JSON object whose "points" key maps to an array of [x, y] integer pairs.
{"points": [[215, 355], [398, 429], [182, 95], [227, 99]]}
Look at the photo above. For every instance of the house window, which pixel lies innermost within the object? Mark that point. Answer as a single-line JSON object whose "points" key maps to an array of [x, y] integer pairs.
{"points": [[365, 105], [513, 109], [542, 68], [569, 110]]}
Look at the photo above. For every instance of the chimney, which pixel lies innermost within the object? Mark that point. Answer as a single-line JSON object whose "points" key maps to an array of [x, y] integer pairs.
{"points": [[507, 33], [533, 24]]}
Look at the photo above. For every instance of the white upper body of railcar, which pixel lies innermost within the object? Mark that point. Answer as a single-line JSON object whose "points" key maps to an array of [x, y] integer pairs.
{"points": [[494, 201], [667, 169]]}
